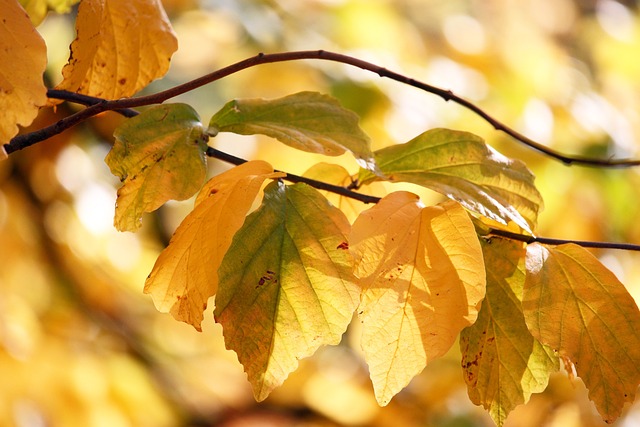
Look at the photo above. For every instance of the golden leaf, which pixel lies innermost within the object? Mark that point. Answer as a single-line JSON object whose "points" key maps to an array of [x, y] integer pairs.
{"points": [[23, 59], [186, 273], [423, 279], [121, 46], [573, 304]]}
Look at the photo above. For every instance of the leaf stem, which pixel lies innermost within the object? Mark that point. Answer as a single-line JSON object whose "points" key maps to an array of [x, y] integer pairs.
{"points": [[97, 105]]}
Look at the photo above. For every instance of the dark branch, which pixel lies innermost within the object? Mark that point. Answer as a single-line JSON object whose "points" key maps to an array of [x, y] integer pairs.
{"points": [[23, 141], [364, 198], [87, 100], [554, 242]]}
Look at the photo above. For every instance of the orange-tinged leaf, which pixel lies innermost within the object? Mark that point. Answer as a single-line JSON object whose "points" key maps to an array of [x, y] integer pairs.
{"points": [[186, 272], [423, 280], [159, 156], [503, 364], [286, 284], [121, 46], [573, 304], [23, 59]]}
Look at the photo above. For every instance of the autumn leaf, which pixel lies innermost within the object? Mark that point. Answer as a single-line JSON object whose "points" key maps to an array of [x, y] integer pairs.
{"points": [[158, 155], [23, 59], [461, 166], [423, 279], [186, 272], [286, 284], [573, 304], [308, 121], [503, 364], [121, 46], [37, 9]]}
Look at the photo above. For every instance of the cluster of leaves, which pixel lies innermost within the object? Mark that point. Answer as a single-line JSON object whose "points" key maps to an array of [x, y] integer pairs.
{"points": [[288, 276]]}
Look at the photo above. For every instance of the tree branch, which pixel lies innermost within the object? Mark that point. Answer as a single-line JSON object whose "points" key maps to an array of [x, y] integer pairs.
{"points": [[346, 192], [364, 198], [97, 106], [87, 100], [554, 242]]}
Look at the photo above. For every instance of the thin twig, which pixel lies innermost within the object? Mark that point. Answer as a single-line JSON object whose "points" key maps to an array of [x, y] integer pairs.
{"points": [[23, 141], [87, 100], [554, 242], [364, 198]]}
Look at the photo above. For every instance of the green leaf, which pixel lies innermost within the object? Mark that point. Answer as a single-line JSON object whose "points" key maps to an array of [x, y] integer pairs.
{"points": [[286, 284], [423, 279], [308, 121], [461, 166], [503, 363], [573, 304], [158, 155]]}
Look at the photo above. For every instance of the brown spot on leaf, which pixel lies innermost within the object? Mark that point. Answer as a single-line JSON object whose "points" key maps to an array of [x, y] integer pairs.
{"points": [[268, 277]]}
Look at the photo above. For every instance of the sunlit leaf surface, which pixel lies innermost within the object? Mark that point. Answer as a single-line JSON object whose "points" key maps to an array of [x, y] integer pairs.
{"points": [[121, 46], [186, 273], [308, 121], [461, 166], [503, 364], [423, 280], [23, 59], [286, 284], [159, 156], [576, 306]]}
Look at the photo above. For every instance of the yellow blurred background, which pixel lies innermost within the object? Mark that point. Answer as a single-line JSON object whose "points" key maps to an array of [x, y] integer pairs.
{"points": [[80, 345]]}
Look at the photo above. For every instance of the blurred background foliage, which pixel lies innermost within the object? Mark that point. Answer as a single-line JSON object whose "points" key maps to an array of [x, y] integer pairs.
{"points": [[80, 345]]}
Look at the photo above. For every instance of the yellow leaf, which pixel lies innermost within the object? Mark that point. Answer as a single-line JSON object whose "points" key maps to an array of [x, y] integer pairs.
{"points": [[286, 284], [186, 272], [423, 279], [576, 306], [23, 59], [121, 46], [503, 364]]}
